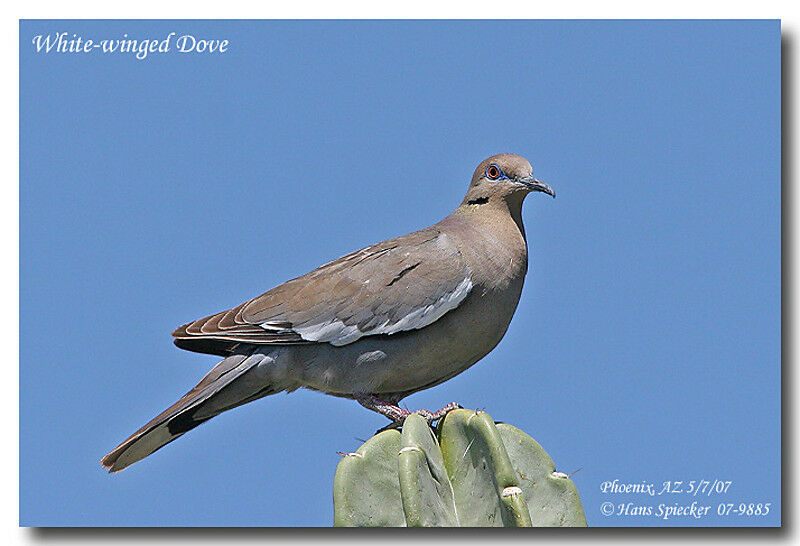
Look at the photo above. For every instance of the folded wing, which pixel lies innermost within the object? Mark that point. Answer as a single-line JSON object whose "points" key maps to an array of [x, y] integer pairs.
{"points": [[398, 285]]}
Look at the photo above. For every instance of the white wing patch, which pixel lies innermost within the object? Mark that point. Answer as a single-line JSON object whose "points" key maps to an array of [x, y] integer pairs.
{"points": [[337, 333]]}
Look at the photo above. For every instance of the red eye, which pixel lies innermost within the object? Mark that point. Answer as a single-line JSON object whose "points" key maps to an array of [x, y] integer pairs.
{"points": [[493, 172]]}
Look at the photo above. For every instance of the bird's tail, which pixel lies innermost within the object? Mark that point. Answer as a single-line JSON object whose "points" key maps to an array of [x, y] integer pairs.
{"points": [[238, 379]]}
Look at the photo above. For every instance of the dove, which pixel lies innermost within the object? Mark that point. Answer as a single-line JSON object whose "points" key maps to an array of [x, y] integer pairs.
{"points": [[375, 325]]}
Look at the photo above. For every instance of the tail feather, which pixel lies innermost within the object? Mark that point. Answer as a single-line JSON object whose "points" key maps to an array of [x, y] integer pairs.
{"points": [[231, 383]]}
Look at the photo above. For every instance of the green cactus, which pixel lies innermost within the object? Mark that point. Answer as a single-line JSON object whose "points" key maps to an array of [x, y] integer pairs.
{"points": [[471, 473]]}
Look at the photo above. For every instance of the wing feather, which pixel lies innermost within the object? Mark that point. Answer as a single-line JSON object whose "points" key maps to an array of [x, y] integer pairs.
{"points": [[398, 285]]}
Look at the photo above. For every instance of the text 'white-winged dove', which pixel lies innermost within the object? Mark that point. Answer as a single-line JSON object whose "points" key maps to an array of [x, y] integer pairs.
{"points": [[375, 325]]}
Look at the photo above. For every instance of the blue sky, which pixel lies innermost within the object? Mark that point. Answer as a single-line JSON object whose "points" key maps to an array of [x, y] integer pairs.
{"points": [[646, 346]]}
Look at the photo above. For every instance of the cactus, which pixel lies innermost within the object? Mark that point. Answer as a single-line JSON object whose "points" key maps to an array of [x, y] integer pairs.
{"points": [[471, 473]]}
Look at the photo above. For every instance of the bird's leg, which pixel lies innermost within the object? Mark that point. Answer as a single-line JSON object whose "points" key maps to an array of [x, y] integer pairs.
{"points": [[394, 413], [397, 414]]}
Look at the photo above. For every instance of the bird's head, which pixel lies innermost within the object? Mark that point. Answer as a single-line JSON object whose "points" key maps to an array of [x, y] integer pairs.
{"points": [[504, 176]]}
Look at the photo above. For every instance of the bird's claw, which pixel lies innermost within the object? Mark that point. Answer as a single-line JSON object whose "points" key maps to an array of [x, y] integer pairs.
{"points": [[398, 415], [432, 417]]}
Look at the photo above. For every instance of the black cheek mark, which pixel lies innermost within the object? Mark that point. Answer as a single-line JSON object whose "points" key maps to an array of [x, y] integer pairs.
{"points": [[479, 201]]}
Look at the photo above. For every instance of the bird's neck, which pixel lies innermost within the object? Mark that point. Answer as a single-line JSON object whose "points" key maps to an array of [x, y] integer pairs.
{"points": [[514, 207], [491, 239], [495, 210]]}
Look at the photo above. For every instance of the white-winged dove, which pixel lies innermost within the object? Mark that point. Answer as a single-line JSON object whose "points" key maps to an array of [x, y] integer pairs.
{"points": [[375, 325]]}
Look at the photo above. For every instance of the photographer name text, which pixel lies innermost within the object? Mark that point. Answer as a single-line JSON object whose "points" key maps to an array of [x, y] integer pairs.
{"points": [[678, 506], [64, 42]]}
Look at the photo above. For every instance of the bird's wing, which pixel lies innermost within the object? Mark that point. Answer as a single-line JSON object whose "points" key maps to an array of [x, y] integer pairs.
{"points": [[400, 284]]}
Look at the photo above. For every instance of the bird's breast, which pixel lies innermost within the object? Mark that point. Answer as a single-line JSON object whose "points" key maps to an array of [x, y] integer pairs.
{"points": [[497, 258]]}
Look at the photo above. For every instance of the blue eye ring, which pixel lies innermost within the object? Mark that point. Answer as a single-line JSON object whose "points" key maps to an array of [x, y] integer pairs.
{"points": [[493, 172]]}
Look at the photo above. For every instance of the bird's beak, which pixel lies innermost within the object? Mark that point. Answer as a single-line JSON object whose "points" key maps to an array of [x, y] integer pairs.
{"points": [[537, 185]]}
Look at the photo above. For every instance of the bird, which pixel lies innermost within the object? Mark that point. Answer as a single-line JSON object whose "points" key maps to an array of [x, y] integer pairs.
{"points": [[376, 325]]}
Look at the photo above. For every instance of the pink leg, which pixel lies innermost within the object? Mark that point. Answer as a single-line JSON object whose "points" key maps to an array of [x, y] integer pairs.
{"points": [[441, 413], [391, 411], [397, 414]]}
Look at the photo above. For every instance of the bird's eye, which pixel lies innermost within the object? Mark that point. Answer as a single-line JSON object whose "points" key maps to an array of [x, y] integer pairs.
{"points": [[493, 172]]}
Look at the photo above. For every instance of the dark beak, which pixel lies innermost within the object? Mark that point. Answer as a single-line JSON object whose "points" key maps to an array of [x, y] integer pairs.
{"points": [[537, 185]]}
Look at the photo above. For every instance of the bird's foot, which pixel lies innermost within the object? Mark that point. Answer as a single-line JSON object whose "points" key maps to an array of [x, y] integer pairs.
{"points": [[398, 415], [431, 417]]}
